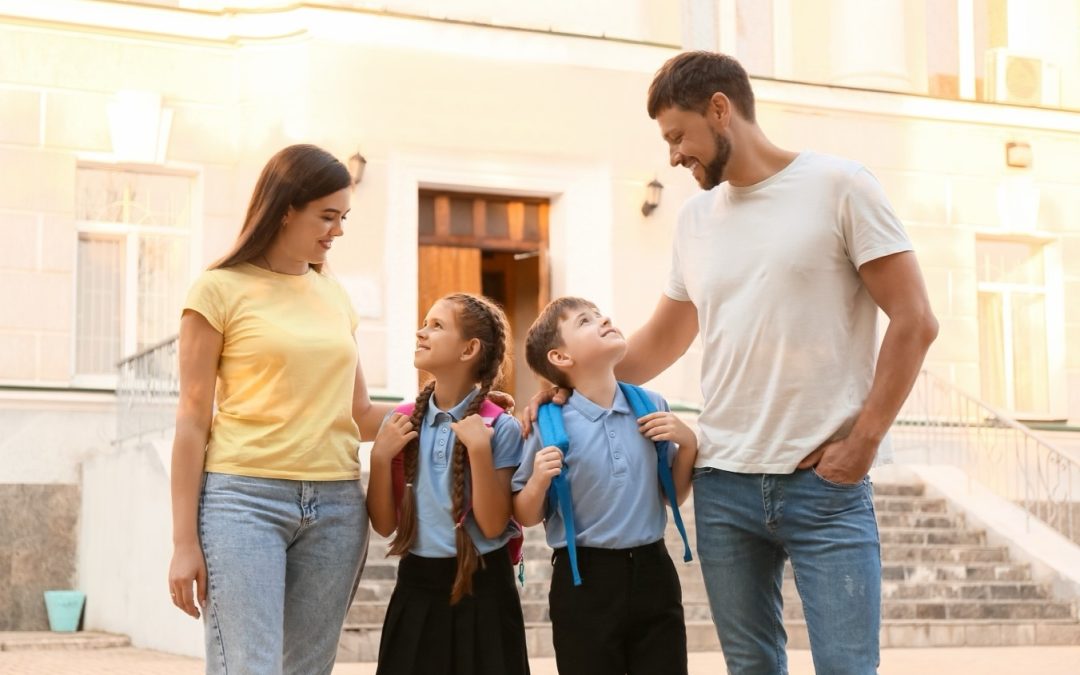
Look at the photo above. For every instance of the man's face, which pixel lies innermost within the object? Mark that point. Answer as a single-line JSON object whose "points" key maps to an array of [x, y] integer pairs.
{"points": [[695, 144]]}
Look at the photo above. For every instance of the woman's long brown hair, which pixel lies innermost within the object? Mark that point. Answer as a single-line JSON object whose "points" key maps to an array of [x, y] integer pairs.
{"points": [[294, 177], [482, 319]]}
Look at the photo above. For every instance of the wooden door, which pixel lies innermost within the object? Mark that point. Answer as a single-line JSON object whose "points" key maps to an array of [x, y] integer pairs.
{"points": [[445, 270], [493, 245]]}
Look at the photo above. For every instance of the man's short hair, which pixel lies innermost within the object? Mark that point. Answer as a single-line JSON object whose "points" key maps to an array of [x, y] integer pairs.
{"points": [[690, 79], [543, 336]]}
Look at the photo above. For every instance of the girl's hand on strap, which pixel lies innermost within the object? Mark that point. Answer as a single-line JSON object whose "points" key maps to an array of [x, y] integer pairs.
{"points": [[394, 435], [473, 433]]}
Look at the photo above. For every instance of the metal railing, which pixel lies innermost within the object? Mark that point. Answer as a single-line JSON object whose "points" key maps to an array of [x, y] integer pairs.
{"points": [[147, 389], [940, 424]]}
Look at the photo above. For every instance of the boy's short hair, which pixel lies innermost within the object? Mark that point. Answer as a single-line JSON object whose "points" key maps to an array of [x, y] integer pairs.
{"points": [[543, 336]]}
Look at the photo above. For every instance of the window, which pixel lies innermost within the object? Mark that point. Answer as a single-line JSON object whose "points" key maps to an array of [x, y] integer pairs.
{"points": [[1013, 347], [133, 264]]}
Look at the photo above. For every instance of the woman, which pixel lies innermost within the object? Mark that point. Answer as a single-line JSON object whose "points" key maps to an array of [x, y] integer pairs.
{"points": [[269, 520]]}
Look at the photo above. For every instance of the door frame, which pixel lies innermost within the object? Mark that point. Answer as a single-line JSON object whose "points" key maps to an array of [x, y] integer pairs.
{"points": [[581, 203]]}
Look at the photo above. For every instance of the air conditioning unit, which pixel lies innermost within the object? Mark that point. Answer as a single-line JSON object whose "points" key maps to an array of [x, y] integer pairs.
{"points": [[1020, 79]]}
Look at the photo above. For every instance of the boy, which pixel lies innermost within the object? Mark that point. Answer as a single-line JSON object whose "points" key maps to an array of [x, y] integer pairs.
{"points": [[626, 616]]}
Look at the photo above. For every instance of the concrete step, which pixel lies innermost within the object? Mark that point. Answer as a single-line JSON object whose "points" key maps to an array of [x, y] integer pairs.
{"points": [[895, 504], [932, 536], [917, 573], [899, 490], [14, 641], [966, 590], [908, 521], [360, 642], [931, 553], [962, 610]]}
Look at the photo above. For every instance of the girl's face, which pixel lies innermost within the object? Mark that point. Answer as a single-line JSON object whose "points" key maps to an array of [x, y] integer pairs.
{"points": [[439, 342], [309, 233]]}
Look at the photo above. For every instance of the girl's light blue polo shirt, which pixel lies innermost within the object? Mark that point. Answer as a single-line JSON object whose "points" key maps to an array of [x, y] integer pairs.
{"points": [[612, 470], [435, 524]]}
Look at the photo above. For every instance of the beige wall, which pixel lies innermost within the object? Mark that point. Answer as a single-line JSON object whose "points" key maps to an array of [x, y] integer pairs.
{"points": [[235, 104]]}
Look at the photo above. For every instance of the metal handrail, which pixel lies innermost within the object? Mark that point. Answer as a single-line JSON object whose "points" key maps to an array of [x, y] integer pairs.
{"points": [[147, 389], [941, 424]]}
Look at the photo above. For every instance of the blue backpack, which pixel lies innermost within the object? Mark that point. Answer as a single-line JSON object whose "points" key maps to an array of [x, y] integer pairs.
{"points": [[553, 432]]}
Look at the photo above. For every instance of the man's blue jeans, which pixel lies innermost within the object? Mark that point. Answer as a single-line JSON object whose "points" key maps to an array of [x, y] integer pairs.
{"points": [[747, 525]]}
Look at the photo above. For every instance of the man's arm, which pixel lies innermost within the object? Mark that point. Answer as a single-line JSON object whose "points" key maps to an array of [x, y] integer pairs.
{"points": [[665, 337], [896, 285]]}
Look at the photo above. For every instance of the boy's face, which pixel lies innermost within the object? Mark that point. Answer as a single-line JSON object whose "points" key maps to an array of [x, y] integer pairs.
{"points": [[589, 339]]}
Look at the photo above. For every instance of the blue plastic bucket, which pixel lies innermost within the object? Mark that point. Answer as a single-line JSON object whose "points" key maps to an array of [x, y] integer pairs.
{"points": [[64, 609]]}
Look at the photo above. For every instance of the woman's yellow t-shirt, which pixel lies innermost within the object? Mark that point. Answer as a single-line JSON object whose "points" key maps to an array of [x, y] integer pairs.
{"points": [[286, 375]]}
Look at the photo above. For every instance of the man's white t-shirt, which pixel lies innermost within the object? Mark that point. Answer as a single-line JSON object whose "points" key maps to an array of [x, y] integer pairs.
{"points": [[789, 331]]}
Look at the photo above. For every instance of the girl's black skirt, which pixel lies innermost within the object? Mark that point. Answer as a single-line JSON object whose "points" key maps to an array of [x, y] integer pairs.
{"points": [[483, 634]]}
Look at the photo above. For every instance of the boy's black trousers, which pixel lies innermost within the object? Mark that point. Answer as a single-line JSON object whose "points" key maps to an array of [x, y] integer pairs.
{"points": [[625, 617]]}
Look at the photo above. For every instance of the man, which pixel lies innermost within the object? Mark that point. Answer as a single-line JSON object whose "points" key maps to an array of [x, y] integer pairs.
{"points": [[782, 265]]}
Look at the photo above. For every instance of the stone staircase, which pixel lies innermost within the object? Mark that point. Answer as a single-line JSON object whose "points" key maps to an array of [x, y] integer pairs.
{"points": [[942, 586]]}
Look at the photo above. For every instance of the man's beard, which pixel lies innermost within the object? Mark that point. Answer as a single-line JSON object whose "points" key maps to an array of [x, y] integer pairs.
{"points": [[714, 171]]}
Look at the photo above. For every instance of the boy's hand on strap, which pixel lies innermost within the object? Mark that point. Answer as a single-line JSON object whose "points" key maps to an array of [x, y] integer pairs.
{"points": [[394, 435], [554, 394], [666, 426], [473, 433], [546, 465]]}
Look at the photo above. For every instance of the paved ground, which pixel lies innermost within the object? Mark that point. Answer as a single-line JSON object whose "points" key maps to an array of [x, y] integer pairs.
{"points": [[968, 661]]}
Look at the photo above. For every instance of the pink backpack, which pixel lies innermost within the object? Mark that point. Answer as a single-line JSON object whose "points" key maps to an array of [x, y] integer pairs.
{"points": [[489, 412]]}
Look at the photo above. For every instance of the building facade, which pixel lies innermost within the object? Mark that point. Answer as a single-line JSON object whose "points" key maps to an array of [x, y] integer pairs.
{"points": [[507, 143]]}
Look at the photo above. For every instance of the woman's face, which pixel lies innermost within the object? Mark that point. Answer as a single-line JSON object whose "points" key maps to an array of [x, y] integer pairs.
{"points": [[309, 233]]}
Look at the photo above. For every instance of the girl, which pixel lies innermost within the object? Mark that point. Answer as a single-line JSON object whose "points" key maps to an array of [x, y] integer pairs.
{"points": [[455, 610], [269, 520]]}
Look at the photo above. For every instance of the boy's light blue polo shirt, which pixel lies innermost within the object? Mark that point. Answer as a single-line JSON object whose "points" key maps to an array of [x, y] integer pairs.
{"points": [[435, 524], [612, 470]]}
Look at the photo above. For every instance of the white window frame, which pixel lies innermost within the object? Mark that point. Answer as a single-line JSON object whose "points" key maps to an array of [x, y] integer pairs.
{"points": [[130, 233], [1052, 290]]}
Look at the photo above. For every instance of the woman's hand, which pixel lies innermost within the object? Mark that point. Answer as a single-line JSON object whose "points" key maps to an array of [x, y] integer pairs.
{"points": [[503, 400], [394, 435], [188, 566], [473, 433]]}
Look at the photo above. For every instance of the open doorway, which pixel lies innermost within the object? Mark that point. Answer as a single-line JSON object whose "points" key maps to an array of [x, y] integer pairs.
{"points": [[495, 245]]}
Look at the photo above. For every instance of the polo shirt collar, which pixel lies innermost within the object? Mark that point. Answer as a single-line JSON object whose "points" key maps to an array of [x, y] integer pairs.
{"points": [[592, 411], [455, 413]]}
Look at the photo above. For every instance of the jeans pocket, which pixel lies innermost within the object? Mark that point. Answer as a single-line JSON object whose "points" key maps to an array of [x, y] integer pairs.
{"points": [[841, 486], [700, 471]]}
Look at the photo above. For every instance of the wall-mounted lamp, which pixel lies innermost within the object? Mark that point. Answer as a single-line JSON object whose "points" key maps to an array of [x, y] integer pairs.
{"points": [[356, 167], [1018, 154], [652, 197]]}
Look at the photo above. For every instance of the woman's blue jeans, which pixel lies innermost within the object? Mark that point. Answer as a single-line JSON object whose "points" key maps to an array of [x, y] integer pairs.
{"points": [[283, 559]]}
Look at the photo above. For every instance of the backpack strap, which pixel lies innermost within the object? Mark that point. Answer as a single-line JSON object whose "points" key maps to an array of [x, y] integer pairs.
{"points": [[553, 432], [642, 406], [397, 464], [489, 412]]}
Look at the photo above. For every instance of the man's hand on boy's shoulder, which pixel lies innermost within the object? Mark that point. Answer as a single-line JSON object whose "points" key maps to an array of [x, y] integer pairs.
{"points": [[528, 415], [667, 426]]}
